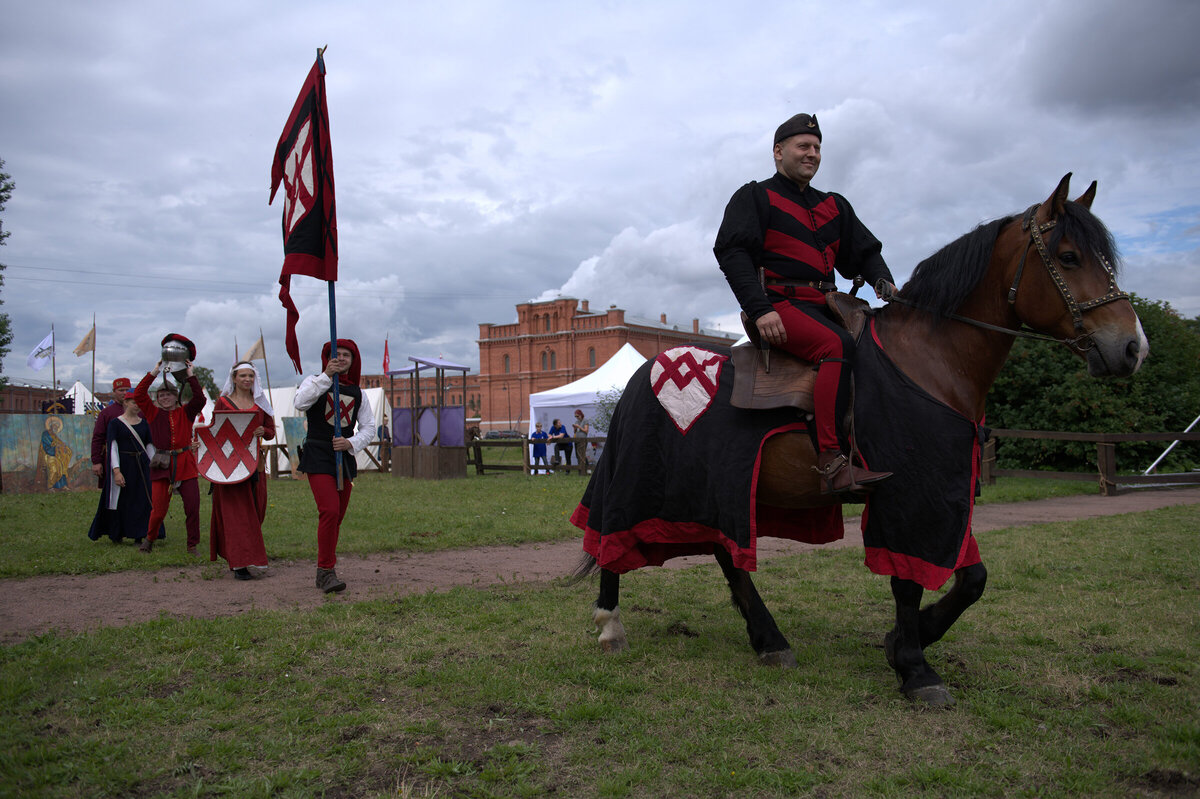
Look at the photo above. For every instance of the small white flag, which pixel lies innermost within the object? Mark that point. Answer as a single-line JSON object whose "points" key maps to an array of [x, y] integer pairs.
{"points": [[41, 354]]}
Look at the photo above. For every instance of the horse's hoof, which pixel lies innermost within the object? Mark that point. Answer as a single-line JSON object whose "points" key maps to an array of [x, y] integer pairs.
{"points": [[613, 646], [931, 695], [784, 659]]}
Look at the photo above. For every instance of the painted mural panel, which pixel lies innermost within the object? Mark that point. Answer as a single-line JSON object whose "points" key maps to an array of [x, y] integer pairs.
{"points": [[46, 452], [296, 430]]}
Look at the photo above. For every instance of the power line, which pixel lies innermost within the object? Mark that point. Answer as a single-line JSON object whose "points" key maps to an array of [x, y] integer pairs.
{"points": [[173, 282]]}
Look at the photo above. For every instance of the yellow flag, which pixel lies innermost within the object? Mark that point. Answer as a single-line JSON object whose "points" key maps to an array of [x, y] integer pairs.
{"points": [[88, 344], [255, 353]]}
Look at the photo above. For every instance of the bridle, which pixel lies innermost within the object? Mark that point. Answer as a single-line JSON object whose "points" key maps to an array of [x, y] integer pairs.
{"points": [[1082, 342]]}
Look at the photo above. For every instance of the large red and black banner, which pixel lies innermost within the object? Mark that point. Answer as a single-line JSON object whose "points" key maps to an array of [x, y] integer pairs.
{"points": [[304, 167]]}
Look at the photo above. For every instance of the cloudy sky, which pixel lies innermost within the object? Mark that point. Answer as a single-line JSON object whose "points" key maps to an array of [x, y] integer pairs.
{"points": [[490, 153]]}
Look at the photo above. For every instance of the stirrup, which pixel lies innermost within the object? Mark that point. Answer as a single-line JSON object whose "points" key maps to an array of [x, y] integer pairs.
{"points": [[855, 480]]}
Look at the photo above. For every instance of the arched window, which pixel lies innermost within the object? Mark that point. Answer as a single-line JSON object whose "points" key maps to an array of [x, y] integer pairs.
{"points": [[592, 356], [543, 361], [506, 364], [553, 360], [546, 321]]}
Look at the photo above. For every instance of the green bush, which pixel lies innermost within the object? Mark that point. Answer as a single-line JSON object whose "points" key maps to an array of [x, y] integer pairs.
{"points": [[1043, 386]]}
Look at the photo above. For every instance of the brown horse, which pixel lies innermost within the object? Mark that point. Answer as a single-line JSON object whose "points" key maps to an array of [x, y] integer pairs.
{"points": [[949, 331]]}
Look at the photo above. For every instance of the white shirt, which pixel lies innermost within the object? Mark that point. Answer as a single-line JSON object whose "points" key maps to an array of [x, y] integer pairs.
{"points": [[315, 387]]}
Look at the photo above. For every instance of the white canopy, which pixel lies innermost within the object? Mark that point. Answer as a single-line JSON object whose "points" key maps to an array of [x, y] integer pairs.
{"points": [[560, 403]]}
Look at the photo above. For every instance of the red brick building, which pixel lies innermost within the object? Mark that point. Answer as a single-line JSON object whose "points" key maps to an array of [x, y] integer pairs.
{"points": [[399, 388], [25, 398], [555, 342]]}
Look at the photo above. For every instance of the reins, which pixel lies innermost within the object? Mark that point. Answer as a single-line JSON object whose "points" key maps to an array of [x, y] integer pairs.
{"points": [[1082, 342]]}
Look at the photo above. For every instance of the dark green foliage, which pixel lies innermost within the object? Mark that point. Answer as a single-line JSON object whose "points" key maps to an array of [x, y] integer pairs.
{"points": [[606, 403], [205, 376], [1044, 387]]}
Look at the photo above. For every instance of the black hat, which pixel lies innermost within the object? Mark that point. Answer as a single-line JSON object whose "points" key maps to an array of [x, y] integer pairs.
{"points": [[801, 123]]}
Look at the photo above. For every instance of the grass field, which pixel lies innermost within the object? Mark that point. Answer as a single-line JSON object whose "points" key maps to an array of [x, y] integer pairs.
{"points": [[1076, 675]]}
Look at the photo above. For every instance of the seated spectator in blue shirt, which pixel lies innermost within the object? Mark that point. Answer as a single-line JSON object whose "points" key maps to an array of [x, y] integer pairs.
{"points": [[562, 441]]}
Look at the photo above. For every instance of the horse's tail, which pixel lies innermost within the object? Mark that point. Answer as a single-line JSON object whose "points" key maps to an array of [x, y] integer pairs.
{"points": [[585, 568]]}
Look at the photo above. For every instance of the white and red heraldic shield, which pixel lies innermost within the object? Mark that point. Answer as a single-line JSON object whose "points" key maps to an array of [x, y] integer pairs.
{"points": [[685, 380], [228, 451]]}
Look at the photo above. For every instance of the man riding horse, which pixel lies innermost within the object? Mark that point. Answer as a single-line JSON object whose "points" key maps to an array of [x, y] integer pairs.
{"points": [[778, 245]]}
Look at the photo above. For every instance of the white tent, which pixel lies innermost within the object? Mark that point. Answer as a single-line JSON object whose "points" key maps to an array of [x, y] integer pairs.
{"points": [[83, 398], [560, 403]]}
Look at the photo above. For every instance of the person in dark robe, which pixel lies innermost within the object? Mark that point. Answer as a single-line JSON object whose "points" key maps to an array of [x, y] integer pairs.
{"points": [[100, 429], [318, 459], [124, 507], [238, 509]]}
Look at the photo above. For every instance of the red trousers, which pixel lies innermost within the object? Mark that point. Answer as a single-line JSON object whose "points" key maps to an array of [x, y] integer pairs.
{"points": [[331, 509], [160, 497], [815, 337]]}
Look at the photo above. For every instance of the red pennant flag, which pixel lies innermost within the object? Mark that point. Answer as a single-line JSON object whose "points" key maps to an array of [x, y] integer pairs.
{"points": [[304, 166], [386, 361]]}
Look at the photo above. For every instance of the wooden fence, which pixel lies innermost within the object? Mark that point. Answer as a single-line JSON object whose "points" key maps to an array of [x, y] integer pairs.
{"points": [[477, 447], [1106, 459], [381, 457]]}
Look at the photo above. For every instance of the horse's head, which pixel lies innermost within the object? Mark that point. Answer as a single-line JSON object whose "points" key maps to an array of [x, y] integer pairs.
{"points": [[1064, 283]]}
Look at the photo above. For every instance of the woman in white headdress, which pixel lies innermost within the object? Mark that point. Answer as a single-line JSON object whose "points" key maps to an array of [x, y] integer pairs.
{"points": [[238, 509]]}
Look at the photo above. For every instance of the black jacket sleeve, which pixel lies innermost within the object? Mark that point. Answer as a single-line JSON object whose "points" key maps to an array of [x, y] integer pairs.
{"points": [[861, 252], [739, 247]]}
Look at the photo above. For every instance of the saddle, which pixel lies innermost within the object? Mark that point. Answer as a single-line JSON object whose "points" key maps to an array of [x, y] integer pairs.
{"points": [[779, 379]]}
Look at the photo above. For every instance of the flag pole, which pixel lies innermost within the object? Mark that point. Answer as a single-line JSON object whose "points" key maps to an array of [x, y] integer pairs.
{"points": [[93, 357], [266, 371], [53, 364], [337, 403]]}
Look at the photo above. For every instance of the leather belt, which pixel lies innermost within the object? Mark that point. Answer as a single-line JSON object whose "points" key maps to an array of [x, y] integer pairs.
{"points": [[788, 287]]}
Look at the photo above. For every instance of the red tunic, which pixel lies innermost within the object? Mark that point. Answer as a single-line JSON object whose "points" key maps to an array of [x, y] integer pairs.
{"points": [[171, 431], [238, 510]]}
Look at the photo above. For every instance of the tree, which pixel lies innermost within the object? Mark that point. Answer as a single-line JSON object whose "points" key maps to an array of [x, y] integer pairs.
{"points": [[205, 376], [1044, 387], [606, 404], [6, 190]]}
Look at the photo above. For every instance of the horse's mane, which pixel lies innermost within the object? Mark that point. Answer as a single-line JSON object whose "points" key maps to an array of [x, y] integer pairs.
{"points": [[942, 281]]}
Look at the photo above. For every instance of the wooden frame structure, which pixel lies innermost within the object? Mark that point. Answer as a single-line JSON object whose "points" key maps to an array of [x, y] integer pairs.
{"points": [[429, 441]]}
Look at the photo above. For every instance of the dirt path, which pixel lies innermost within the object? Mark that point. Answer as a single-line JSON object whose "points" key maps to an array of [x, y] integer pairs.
{"points": [[35, 605]]}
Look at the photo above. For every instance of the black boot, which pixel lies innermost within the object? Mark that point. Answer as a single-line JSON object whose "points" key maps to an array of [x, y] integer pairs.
{"points": [[327, 581], [840, 476]]}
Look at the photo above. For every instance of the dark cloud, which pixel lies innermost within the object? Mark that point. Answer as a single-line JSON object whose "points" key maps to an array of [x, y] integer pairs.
{"points": [[1116, 58]]}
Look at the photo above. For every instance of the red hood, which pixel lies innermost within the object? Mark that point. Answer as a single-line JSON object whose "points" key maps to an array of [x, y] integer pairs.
{"points": [[352, 376]]}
